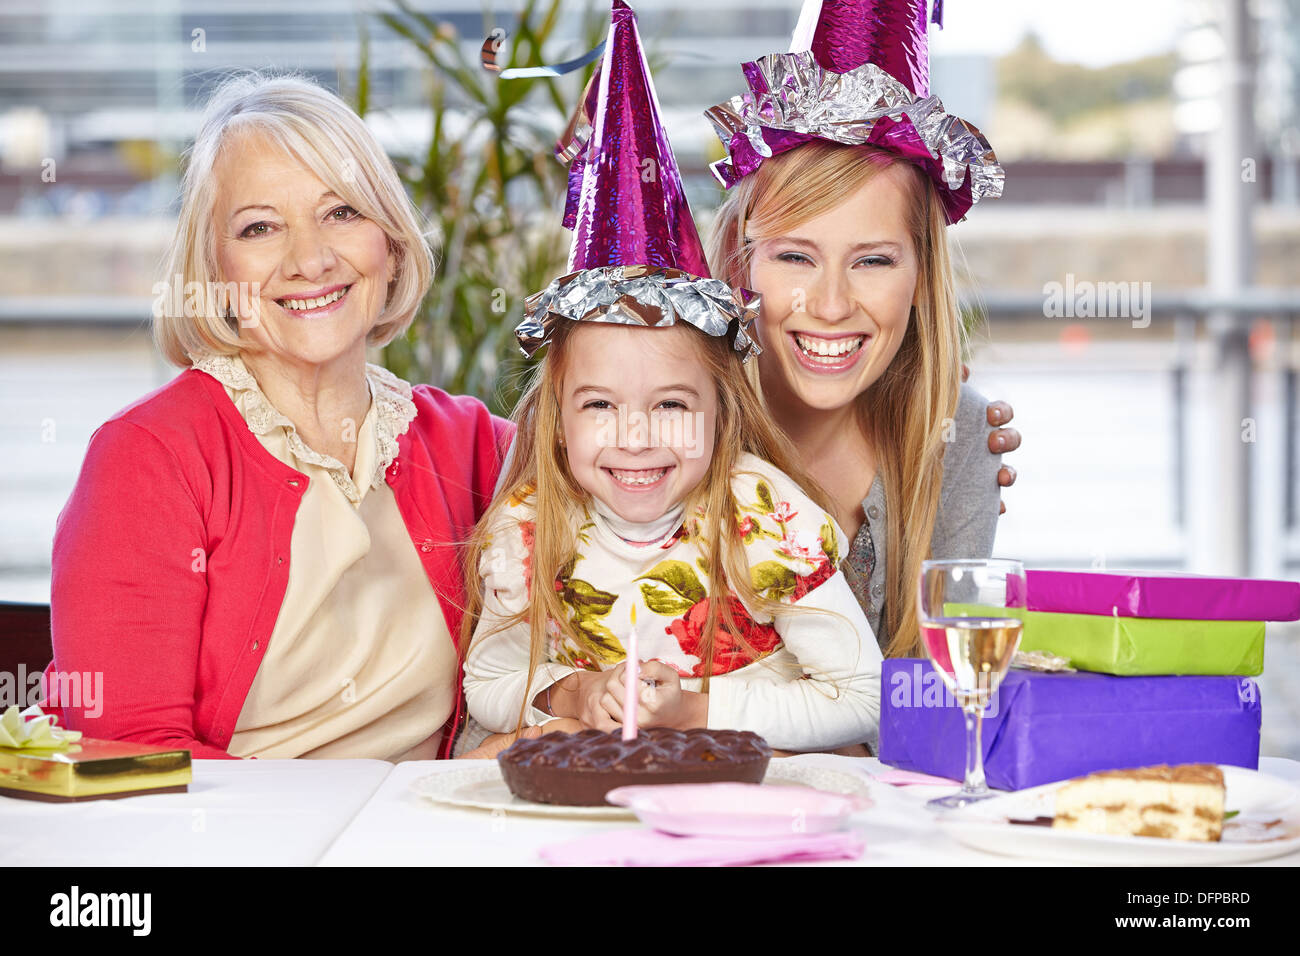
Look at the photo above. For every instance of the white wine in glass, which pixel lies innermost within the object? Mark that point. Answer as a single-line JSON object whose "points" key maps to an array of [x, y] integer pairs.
{"points": [[970, 620]]}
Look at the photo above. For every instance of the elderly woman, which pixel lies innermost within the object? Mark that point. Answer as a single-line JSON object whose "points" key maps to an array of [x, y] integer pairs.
{"points": [[262, 556]]}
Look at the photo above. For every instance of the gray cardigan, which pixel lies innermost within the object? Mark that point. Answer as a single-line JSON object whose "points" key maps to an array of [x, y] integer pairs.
{"points": [[967, 519]]}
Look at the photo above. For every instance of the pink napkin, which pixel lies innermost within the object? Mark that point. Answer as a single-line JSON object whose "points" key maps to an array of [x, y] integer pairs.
{"points": [[910, 778], [652, 848]]}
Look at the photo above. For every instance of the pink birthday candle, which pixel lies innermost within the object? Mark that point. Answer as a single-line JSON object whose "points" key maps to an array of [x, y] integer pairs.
{"points": [[631, 684]]}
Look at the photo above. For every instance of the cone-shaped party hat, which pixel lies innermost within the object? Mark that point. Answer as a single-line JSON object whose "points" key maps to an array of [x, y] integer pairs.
{"points": [[636, 256], [858, 73], [631, 206], [892, 35]]}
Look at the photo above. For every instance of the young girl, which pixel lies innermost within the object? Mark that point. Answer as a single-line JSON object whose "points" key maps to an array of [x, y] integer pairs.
{"points": [[598, 524], [648, 489]]}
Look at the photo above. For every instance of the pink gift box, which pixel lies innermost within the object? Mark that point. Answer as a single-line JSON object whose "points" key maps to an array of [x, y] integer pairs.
{"points": [[1185, 597]]}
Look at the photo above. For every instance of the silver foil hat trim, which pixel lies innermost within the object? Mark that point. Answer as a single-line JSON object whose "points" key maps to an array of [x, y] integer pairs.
{"points": [[804, 99], [641, 295]]}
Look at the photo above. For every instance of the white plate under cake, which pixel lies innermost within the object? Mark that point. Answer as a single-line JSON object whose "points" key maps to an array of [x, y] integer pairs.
{"points": [[480, 786]]}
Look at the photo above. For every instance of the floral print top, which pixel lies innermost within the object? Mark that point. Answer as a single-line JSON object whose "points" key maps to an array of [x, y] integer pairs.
{"points": [[793, 546], [803, 679]]}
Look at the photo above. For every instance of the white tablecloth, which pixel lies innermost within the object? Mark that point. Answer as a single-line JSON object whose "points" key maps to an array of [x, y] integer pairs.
{"points": [[350, 812], [236, 813], [399, 828]]}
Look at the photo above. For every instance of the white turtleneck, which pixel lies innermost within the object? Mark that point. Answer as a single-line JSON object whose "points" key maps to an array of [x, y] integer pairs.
{"points": [[644, 534]]}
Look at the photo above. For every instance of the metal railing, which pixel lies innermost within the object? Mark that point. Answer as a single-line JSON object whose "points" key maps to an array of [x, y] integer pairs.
{"points": [[1187, 311]]}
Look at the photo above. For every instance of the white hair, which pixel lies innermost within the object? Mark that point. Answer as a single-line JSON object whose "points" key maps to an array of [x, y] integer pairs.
{"points": [[316, 127]]}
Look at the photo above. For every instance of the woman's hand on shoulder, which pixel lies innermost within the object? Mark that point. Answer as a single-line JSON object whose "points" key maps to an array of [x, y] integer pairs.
{"points": [[1002, 440]]}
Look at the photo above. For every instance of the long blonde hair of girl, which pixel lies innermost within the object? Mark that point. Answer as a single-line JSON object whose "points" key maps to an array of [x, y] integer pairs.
{"points": [[540, 467], [903, 413]]}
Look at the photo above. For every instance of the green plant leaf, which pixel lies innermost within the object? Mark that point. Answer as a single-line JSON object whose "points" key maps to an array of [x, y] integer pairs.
{"points": [[489, 190]]}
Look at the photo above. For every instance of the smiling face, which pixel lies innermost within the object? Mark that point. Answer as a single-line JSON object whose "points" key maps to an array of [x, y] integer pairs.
{"points": [[837, 291], [639, 413], [321, 268]]}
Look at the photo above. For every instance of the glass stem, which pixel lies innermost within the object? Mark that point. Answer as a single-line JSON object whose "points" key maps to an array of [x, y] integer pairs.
{"points": [[974, 783]]}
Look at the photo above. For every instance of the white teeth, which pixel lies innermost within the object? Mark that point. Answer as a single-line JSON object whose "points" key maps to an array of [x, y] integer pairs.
{"points": [[638, 477], [303, 305], [829, 348]]}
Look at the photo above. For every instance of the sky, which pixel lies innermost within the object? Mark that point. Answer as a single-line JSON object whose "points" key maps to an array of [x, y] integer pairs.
{"points": [[1095, 33]]}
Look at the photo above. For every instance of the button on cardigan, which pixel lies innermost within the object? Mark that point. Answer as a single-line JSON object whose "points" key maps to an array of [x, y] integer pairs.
{"points": [[172, 555]]}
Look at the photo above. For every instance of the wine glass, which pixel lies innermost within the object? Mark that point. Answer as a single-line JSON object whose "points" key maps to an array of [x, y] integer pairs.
{"points": [[971, 615]]}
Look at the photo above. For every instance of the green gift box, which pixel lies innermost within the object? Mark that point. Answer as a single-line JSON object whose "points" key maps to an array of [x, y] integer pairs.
{"points": [[1134, 646], [1129, 646]]}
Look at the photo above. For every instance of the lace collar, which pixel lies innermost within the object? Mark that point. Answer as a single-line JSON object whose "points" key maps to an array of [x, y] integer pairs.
{"points": [[390, 401]]}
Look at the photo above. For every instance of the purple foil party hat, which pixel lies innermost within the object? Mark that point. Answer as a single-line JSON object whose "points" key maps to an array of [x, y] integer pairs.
{"points": [[630, 204], [858, 73], [889, 34], [636, 257]]}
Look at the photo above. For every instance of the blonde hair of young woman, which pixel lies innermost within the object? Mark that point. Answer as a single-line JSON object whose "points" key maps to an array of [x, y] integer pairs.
{"points": [[316, 127], [540, 468], [902, 413]]}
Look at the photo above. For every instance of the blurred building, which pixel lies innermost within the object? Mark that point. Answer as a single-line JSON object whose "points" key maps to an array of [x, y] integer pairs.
{"points": [[1277, 83], [102, 95], [98, 86]]}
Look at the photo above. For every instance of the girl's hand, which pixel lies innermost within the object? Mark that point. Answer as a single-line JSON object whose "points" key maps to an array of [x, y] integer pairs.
{"points": [[664, 703], [578, 696], [499, 742], [589, 697]]}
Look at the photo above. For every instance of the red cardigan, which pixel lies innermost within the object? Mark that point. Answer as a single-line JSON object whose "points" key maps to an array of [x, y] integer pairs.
{"points": [[172, 555]]}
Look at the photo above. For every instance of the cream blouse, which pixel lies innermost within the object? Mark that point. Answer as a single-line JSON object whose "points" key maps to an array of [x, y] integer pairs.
{"points": [[359, 663]]}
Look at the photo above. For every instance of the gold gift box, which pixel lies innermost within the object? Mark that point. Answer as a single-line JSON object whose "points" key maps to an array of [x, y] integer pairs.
{"points": [[93, 770]]}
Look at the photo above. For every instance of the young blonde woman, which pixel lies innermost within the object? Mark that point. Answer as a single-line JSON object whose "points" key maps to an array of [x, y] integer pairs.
{"points": [[840, 227]]}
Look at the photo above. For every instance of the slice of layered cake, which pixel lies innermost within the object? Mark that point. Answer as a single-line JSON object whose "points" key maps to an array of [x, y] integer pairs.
{"points": [[1177, 803]]}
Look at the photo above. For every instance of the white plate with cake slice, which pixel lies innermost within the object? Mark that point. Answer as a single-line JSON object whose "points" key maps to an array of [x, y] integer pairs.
{"points": [[1262, 820], [481, 787]]}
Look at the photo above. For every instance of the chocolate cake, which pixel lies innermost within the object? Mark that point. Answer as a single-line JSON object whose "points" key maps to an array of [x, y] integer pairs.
{"points": [[579, 769]]}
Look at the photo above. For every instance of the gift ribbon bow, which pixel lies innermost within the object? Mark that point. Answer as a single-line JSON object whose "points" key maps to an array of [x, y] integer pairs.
{"points": [[31, 729]]}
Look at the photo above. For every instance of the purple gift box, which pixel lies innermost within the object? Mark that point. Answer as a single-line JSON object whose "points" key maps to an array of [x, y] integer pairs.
{"points": [[1046, 727], [1185, 597]]}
